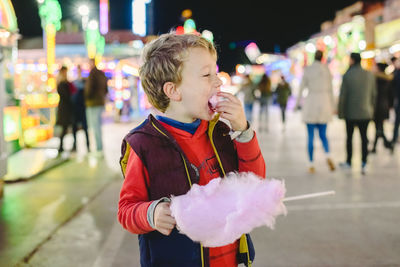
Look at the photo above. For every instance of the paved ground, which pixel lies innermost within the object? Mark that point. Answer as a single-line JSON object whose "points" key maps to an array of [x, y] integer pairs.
{"points": [[67, 216]]}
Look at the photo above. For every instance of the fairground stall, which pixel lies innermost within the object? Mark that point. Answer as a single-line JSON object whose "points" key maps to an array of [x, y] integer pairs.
{"points": [[337, 44], [120, 63], [9, 113], [37, 101], [387, 34], [352, 30]]}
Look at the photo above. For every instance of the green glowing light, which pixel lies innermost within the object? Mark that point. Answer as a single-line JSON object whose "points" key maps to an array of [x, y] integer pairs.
{"points": [[95, 39], [208, 35], [10, 126], [189, 26], [50, 13]]}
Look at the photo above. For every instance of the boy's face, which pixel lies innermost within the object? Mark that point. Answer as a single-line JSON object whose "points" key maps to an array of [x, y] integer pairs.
{"points": [[199, 83]]}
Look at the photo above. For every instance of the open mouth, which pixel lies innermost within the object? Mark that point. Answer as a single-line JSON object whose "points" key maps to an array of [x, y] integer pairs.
{"points": [[212, 103], [210, 106]]}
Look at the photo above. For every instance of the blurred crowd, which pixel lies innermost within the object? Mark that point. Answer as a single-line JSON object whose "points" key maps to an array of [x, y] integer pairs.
{"points": [[81, 106], [365, 96]]}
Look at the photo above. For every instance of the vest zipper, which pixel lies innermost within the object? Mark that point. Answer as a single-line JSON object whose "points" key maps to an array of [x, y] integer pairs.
{"points": [[187, 171], [210, 136], [190, 184], [211, 126]]}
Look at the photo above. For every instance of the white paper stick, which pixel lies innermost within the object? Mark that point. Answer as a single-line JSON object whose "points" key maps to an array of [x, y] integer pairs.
{"points": [[320, 194]]}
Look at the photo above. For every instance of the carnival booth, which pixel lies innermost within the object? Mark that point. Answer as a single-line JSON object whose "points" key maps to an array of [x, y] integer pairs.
{"points": [[9, 124], [120, 63], [337, 44], [387, 39]]}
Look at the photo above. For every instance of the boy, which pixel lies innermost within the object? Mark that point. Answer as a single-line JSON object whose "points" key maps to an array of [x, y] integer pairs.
{"points": [[164, 156]]}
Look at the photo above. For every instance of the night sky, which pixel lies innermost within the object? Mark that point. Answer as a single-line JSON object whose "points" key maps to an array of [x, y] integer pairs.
{"points": [[273, 25]]}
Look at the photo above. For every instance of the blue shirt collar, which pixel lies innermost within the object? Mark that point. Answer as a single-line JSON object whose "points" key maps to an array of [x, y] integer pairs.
{"points": [[188, 127]]}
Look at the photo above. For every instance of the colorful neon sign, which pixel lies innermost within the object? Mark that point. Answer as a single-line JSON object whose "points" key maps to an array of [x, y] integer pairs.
{"points": [[7, 16], [50, 14], [139, 17], [104, 16], [95, 42]]}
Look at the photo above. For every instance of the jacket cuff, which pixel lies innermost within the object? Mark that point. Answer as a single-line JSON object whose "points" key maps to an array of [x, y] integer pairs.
{"points": [[248, 151], [243, 136], [151, 209]]}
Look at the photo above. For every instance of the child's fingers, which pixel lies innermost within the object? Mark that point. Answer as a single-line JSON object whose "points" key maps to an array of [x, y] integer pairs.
{"points": [[227, 116], [165, 231], [163, 208], [226, 111], [165, 224], [168, 219], [229, 96], [228, 106]]}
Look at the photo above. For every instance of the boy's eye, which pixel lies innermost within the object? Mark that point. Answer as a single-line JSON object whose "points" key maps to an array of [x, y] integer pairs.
{"points": [[206, 75]]}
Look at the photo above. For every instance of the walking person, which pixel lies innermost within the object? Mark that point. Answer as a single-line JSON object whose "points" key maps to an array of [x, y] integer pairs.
{"points": [[382, 105], [248, 88], [356, 106], [318, 106], [95, 93], [283, 91], [396, 89], [264, 86], [65, 116], [78, 101]]}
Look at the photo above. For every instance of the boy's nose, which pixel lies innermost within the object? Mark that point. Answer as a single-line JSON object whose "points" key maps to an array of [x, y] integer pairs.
{"points": [[218, 82]]}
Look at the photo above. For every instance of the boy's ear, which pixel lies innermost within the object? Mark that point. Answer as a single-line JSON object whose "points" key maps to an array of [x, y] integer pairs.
{"points": [[171, 91]]}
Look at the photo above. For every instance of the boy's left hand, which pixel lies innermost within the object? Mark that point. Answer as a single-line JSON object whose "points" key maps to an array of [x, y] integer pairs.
{"points": [[232, 110]]}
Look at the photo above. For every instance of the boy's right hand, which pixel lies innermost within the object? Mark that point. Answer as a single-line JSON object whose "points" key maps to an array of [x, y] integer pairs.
{"points": [[163, 221]]}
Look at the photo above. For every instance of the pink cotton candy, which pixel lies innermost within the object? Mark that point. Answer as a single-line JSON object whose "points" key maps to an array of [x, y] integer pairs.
{"points": [[213, 101], [218, 213]]}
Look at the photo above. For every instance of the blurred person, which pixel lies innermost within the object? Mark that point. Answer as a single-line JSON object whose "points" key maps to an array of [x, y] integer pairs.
{"points": [[356, 105], [318, 106], [264, 86], [248, 88], [65, 110], [382, 105], [283, 91], [95, 94], [78, 101], [396, 99], [178, 69]]}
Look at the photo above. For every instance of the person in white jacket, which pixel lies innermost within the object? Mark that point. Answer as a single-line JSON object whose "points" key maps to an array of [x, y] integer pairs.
{"points": [[318, 105]]}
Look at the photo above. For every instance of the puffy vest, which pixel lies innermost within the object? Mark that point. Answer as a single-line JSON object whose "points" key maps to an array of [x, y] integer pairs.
{"points": [[171, 173]]}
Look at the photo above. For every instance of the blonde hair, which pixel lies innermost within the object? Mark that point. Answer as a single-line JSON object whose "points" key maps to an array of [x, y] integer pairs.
{"points": [[163, 62]]}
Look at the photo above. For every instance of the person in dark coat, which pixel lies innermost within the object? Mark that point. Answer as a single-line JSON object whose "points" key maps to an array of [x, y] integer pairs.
{"points": [[382, 106], [283, 92], [396, 93], [356, 105], [78, 101], [95, 97], [65, 110]]}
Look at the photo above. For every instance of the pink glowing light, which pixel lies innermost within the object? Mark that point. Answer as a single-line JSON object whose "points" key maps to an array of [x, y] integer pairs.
{"points": [[103, 16]]}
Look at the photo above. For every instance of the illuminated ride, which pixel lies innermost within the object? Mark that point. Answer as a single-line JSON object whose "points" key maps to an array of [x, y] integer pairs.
{"points": [[9, 113]]}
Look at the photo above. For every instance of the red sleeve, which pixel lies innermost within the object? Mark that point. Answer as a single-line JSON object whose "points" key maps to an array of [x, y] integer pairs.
{"points": [[134, 199], [250, 157]]}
